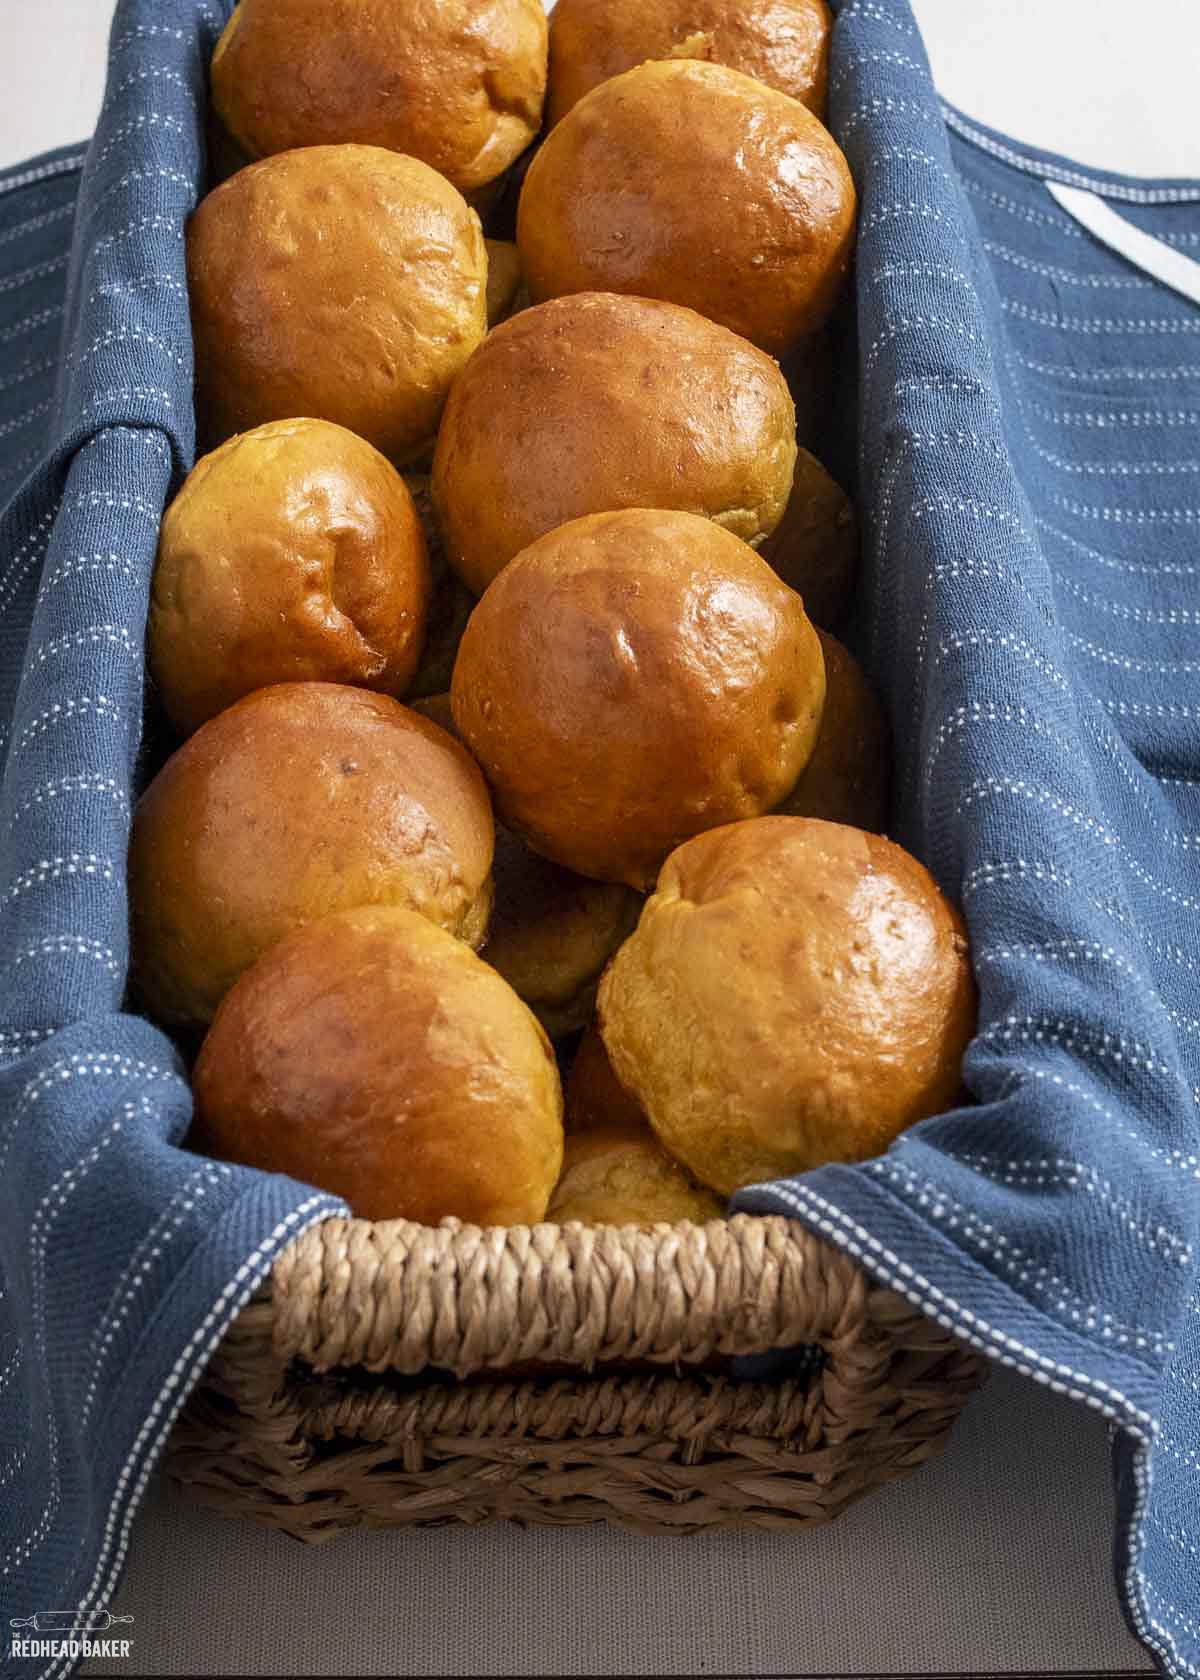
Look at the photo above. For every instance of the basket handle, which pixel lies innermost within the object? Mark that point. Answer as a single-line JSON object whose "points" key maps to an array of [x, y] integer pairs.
{"points": [[395, 1296]]}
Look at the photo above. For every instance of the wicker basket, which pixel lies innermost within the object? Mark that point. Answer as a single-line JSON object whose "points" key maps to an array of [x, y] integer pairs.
{"points": [[393, 1373]]}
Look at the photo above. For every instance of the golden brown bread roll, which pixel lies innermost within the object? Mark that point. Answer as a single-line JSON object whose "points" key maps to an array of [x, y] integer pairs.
{"points": [[597, 402], [503, 279], [622, 1175], [344, 282], [784, 43], [615, 1171], [456, 83], [292, 553], [814, 548], [552, 932], [374, 1055], [300, 800], [796, 992], [847, 779], [450, 602], [593, 1096], [691, 182], [633, 678]]}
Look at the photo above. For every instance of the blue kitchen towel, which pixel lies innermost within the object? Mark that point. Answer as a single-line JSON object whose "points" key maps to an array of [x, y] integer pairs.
{"points": [[122, 1257], [1028, 461]]}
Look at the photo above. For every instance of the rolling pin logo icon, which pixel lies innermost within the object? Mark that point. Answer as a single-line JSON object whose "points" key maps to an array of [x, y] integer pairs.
{"points": [[68, 1621]]}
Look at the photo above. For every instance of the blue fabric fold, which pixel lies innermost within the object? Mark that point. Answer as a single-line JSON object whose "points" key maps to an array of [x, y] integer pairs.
{"points": [[1029, 480], [123, 1258], [1028, 405]]}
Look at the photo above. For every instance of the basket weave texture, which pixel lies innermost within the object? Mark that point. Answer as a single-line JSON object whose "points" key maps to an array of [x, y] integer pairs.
{"points": [[393, 1373]]}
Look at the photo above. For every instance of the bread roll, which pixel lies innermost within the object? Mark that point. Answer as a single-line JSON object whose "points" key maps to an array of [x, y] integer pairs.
{"points": [[596, 402], [456, 83], [375, 1056], [343, 282], [552, 932], [814, 548], [847, 778], [796, 992], [594, 1097], [292, 552], [300, 800], [784, 43], [450, 602], [631, 679], [615, 1171], [691, 182], [622, 1175], [503, 279]]}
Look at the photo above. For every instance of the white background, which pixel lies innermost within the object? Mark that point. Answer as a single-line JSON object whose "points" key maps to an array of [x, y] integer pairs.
{"points": [[995, 1558], [1109, 82]]}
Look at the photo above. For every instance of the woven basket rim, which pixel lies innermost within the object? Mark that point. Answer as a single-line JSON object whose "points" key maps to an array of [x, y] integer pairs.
{"points": [[396, 1296], [276, 1433]]}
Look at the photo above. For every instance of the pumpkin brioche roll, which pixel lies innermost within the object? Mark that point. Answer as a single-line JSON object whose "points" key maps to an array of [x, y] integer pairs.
{"points": [[456, 83], [634, 678], [783, 43], [597, 402], [688, 181], [343, 282], [300, 800], [374, 1055], [796, 992], [292, 552]]}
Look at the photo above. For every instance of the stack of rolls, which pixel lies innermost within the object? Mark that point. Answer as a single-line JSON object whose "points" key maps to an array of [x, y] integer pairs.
{"points": [[495, 628]]}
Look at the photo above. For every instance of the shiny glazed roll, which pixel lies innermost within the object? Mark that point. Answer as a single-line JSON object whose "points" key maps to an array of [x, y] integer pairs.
{"points": [[615, 1171], [300, 800], [631, 679], [784, 43], [848, 777], [797, 992], [622, 1175], [450, 603], [456, 83], [343, 282], [691, 182], [552, 932], [292, 552], [593, 1096], [596, 402], [374, 1055], [814, 548]]}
